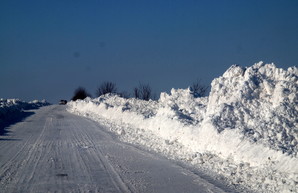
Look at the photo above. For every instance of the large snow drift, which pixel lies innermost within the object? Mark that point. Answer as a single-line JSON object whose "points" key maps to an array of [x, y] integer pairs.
{"points": [[246, 130]]}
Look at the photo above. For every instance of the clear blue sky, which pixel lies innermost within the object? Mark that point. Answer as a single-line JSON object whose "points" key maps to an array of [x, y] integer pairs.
{"points": [[50, 47]]}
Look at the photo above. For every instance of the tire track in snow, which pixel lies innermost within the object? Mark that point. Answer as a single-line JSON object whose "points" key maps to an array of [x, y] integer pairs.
{"points": [[86, 143], [50, 160], [34, 156], [13, 166], [62, 152]]}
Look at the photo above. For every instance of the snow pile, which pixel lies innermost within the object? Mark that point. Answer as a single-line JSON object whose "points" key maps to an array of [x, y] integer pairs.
{"points": [[261, 102], [246, 130], [183, 106], [10, 108]]}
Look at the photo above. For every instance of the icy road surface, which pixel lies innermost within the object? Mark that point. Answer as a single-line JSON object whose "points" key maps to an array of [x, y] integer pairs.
{"points": [[55, 151]]}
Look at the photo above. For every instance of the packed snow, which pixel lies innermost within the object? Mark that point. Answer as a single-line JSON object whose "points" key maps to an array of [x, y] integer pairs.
{"points": [[245, 130], [11, 108]]}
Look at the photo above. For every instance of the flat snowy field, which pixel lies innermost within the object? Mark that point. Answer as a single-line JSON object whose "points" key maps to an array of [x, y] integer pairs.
{"points": [[245, 130]]}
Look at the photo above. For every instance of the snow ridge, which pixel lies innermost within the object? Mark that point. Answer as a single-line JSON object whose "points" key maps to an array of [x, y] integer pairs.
{"points": [[261, 102], [246, 130], [12, 107]]}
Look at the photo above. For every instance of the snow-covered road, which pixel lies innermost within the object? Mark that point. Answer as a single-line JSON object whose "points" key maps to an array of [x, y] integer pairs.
{"points": [[56, 151]]}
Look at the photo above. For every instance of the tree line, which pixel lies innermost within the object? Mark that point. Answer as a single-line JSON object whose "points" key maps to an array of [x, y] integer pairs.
{"points": [[142, 91]]}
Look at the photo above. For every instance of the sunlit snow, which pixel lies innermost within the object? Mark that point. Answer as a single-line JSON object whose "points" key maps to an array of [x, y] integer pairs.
{"points": [[245, 130]]}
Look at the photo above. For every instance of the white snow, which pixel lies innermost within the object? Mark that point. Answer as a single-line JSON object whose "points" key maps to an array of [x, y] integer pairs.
{"points": [[245, 130], [56, 151], [10, 108]]}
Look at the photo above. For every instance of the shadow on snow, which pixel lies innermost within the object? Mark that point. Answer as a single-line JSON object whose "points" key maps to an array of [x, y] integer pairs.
{"points": [[11, 120]]}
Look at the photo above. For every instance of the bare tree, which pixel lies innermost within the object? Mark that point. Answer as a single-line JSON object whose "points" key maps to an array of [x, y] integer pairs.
{"points": [[105, 88], [143, 92], [80, 93], [198, 89], [136, 93]]}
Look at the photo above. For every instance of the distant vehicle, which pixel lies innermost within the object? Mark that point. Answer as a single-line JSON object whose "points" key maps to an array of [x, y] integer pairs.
{"points": [[62, 102]]}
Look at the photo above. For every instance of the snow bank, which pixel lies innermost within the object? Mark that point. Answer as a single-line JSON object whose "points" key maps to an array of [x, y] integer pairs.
{"points": [[246, 130], [261, 102], [9, 108]]}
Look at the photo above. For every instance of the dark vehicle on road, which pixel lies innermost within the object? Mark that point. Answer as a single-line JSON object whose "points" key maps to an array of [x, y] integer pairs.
{"points": [[63, 102]]}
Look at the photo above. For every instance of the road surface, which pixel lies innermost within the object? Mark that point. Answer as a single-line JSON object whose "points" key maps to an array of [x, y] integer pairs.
{"points": [[56, 151]]}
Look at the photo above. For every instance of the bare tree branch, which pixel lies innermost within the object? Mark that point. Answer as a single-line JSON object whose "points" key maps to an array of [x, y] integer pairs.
{"points": [[198, 89], [105, 88], [80, 93], [143, 92]]}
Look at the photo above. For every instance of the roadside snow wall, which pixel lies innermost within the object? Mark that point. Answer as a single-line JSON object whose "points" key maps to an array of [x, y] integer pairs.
{"points": [[10, 108], [246, 130]]}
